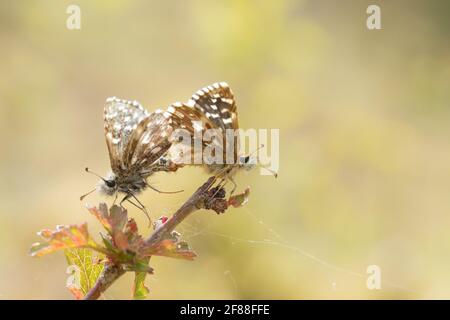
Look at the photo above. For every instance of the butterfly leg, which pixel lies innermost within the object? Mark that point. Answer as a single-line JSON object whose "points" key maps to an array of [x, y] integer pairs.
{"points": [[213, 182], [127, 196], [220, 185], [140, 206], [218, 188], [223, 184], [234, 185], [115, 199]]}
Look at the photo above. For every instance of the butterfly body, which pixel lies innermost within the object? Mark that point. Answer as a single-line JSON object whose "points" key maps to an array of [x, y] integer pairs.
{"points": [[229, 170], [133, 183], [214, 107], [136, 141]]}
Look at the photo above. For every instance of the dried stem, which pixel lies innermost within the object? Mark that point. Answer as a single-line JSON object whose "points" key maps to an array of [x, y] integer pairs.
{"points": [[194, 203], [197, 201]]}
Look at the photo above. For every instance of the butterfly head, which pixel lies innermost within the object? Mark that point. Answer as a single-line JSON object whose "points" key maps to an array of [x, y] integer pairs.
{"points": [[108, 185], [247, 162]]}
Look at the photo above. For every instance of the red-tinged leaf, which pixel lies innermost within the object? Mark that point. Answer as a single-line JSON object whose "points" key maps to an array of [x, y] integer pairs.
{"points": [[117, 217], [45, 233], [77, 293], [135, 241], [113, 220], [170, 248], [101, 213], [64, 237], [131, 228], [120, 240], [240, 199]]}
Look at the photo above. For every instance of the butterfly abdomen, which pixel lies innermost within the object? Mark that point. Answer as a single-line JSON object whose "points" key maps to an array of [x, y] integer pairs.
{"points": [[132, 184]]}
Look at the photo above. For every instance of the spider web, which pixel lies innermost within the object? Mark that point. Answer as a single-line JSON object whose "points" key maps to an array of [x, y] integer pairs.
{"points": [[190, 231], [196, 226]]}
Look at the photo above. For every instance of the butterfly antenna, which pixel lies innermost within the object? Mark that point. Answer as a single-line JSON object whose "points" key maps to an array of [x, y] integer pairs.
{"points": [[257, 149], [159, 191], [275, 174], [84, 195], [95, 174]]}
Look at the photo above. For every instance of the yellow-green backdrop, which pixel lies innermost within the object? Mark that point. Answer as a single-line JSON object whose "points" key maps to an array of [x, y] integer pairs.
{"points": [[364, 123]]}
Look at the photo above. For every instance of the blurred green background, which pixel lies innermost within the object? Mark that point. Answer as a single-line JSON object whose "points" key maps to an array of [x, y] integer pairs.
{"points": [[364, 127]]}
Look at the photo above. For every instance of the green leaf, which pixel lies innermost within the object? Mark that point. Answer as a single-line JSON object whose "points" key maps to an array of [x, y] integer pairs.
{"points": [[85, 268], [140, 266], [107, 242], [64, 237], [140, 291]]}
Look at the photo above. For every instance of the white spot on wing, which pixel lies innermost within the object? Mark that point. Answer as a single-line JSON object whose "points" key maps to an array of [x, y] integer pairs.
{"points": [[227, 121]]}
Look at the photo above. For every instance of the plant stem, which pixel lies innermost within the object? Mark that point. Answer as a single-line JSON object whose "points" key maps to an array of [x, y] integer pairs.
{"points": [[195, 202]]}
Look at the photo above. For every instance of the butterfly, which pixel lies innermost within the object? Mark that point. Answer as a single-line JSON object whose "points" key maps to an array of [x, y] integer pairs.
{"points": [[213, 107], [136, 141]]}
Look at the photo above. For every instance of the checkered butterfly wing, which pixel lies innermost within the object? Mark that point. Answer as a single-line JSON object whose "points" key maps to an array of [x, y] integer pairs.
{"points": [[214, 106], [216, 103], [135, 137]]}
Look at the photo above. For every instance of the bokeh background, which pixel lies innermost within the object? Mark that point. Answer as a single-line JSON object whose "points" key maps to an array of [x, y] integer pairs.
{"points": [[364, 127]]}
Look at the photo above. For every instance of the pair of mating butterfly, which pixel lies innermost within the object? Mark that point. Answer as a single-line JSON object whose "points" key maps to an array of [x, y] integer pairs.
{"points": [[141, 143]]}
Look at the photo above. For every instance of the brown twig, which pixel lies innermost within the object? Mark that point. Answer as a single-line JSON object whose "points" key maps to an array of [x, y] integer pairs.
{"points": [[202, 198], [194, 203]]}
